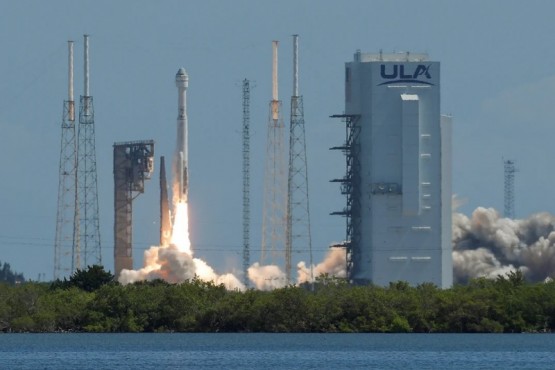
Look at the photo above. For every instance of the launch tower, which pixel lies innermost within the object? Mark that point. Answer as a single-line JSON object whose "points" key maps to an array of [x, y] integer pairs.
{"points": [[64, 254], [87, 247], [298, 237], [274, 212], [246, 181], [133, 164], [509, 188]]}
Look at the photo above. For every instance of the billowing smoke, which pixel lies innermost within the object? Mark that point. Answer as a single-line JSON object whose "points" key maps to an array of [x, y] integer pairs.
{"points": [[174, 266], [489, 245], [333, 264], [267, 277], [175, 263]]}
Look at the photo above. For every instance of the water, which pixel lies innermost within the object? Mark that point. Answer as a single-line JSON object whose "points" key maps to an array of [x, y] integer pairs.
{"points": [[277, 351]]}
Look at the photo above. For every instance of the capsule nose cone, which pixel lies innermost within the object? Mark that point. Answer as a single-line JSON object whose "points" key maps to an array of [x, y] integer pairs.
{"points": [[181, 72], [181, 78]]}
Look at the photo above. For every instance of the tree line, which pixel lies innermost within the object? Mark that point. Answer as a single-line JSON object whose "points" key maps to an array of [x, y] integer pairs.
{"points": [[90, 301]]}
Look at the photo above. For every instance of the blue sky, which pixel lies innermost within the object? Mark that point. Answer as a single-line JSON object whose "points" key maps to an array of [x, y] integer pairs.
{"points": [[498, 82]]}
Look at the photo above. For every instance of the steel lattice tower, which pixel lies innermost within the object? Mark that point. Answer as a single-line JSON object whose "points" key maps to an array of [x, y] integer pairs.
{"points": [[509, 193], [87, 230], [298, 237], [63, 244], [273, 218], [246, 181]]}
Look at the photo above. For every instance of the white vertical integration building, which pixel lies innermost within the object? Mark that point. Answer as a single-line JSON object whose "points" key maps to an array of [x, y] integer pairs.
{"points": [[398, 180]]}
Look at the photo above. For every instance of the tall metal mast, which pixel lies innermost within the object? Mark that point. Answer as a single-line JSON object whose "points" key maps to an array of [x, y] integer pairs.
{"points": [[298, 212], [273, 218], [509, 193], [63, 244], [87, 227], [246, 181]]}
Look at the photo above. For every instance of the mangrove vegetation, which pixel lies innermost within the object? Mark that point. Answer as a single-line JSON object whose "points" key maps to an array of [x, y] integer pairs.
{"points": [[90, 301]]}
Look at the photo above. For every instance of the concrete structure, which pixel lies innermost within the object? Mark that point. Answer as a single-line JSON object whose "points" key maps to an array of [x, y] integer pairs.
{"points": [[398, 180]]}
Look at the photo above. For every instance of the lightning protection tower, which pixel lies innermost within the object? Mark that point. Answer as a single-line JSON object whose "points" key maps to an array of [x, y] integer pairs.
{"points": [[87, 228], [273, 218], [298, 237], [509, 193], [64, 256], [246, 181], [133, 164]]}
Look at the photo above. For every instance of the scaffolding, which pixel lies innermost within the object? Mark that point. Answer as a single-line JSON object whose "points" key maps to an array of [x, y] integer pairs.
{"points": [[350, 187], [133, 164]]}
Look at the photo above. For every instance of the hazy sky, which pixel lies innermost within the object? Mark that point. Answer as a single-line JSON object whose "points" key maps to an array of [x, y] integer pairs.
{"points": [[497, 80]]}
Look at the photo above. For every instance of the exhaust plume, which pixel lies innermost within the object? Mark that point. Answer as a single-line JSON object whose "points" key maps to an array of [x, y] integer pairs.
{"points": [[175, 263]]}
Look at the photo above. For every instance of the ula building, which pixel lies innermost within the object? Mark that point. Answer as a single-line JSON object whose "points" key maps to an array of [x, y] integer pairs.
{"points": [[398, 176]]}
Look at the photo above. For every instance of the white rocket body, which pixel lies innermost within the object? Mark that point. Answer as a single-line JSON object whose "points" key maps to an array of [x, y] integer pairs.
{"points": [[181, 155]]}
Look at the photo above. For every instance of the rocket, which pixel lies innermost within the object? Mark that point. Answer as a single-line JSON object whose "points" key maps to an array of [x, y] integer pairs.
{"points": [[165, 215], [181, 151]]}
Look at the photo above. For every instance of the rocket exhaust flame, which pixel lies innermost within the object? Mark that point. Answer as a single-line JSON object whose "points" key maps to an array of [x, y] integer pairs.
{"points": [[180, 232]]}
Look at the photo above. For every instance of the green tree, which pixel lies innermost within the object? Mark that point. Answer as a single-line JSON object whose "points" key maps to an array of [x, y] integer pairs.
{"points": [[89, 279]]}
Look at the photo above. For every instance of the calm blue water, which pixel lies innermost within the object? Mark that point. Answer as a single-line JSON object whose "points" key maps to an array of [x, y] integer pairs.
{"points": [[277, 351]]}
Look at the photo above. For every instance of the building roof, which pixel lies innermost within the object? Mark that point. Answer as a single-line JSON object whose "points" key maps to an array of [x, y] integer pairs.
{"points": [[390, 57]]}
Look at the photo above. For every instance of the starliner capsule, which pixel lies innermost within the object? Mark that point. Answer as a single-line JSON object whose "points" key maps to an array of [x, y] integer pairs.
{"points": [[181, 151]]}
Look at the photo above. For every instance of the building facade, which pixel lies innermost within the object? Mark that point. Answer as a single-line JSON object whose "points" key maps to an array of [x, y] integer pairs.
{"points": [[400, 185]]}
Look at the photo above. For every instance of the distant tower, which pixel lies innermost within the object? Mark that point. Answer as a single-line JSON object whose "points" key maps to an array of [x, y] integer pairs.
{"points": [[509, 193], [64, 257], [133, 164], [298, 237], [246, 181], [87, 228], [273, 218]]}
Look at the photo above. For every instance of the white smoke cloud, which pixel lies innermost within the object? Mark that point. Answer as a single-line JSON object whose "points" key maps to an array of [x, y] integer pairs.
{"points": [[334, 264], [175, 266], [266, 277], [489, 245]]}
